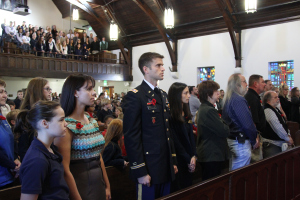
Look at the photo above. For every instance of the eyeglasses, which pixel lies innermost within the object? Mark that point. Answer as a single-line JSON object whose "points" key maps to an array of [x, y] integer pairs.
{"points": [[48, 89]]}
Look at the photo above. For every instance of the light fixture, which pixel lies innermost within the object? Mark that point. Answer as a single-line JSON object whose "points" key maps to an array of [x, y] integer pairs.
{"points": [[75, 14], [113, 31], [250, 6], [169, 18]]}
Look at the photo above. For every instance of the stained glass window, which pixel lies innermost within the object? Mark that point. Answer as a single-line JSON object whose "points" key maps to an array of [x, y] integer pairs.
{"points": [[205, 73], [282, 73]]}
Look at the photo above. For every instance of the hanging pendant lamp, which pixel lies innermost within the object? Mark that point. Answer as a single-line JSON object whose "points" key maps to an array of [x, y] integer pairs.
{"points": [[114, 31], [75, 14], [250, 6], [169, 18]]}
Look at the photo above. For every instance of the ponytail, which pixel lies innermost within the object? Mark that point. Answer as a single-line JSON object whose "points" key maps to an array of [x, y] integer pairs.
{"points": [[22, 125]]}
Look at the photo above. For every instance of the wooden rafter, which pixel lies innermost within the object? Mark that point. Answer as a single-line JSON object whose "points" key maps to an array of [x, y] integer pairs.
{"points": [[161, 30], [112, 16], [231, 25], [105, 24], [160, 5]]}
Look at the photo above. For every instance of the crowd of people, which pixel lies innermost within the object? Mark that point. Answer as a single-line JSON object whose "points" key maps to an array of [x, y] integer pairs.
{"points": [[51, 42], [54, 143]]}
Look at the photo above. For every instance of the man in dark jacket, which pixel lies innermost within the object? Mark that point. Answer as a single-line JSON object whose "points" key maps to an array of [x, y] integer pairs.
{"points": [[256, 87], [148, 141], [19, 99]]}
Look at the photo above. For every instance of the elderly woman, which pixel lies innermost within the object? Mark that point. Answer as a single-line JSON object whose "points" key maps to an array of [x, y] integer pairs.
{"points": [[295, 116], [276, 131], [8, 160], [212, 147], [284, 101]]}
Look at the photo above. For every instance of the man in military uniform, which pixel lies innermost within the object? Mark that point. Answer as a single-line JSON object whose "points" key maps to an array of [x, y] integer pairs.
{"points": [[148, 142]]}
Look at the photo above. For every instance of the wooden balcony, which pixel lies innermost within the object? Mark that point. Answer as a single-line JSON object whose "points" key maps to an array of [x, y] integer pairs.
{"points": [[18, 65]]}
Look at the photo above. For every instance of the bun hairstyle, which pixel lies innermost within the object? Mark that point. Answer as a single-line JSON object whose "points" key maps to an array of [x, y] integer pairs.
{"points": [[27, 120]]}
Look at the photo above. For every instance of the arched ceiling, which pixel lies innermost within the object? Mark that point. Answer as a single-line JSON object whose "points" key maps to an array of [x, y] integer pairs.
{"points": [[192, 17]]}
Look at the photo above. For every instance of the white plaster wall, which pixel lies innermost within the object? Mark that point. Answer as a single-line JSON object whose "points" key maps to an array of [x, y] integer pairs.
{"points": [[271, 43], [212, 50], [259, 46], [13, 84], [44, 13]]}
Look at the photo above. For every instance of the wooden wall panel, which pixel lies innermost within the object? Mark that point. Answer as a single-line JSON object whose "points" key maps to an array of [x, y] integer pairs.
{"points": [[275, 178], [30, 66]]}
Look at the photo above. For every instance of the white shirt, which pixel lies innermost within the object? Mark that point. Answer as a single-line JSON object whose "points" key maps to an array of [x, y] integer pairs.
{"points": [[150, 85], [10, 30], [20, 37], [277, 127], [26, 40], [70, 36], [65, 50]]}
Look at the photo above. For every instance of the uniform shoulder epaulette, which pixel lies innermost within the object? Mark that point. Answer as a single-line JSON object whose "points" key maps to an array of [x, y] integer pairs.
{"points": [[134, 90], [163, 91]]}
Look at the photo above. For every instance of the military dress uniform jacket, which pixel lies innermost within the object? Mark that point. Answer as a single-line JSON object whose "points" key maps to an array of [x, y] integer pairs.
{"points": [[148, 141]]}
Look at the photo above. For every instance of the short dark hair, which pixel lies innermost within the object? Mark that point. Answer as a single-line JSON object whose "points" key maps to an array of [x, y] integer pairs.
{"points": [[107, 117], [11, 103], [206, 89], [254, 78], [147, 58], [191, 89], [176, 105], [73, 83], [19, 91], [266, 81], [267, 97]]}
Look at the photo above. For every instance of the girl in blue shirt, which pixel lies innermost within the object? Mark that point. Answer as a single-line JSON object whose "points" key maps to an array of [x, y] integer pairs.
{"points": [[42, 172]]}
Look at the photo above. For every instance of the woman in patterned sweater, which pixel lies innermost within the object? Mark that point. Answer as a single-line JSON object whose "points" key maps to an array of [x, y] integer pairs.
{"points": [[84, 168]]}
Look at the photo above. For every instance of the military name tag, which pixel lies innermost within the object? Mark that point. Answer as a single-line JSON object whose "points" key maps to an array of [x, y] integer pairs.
{"points": [[151, 107]]}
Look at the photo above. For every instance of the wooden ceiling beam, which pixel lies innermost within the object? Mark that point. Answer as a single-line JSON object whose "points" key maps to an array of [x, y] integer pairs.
{"points": [[147, 10], [112, 16], [160, 5], [106, 26], [231, 25]]}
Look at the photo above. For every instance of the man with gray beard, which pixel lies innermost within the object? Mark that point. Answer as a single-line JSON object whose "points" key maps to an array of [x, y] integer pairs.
{"points": [[237, 115]]}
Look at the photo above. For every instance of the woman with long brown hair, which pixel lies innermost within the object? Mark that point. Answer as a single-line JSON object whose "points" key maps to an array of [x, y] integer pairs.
{"points": [[38, 89], [112, 154]]}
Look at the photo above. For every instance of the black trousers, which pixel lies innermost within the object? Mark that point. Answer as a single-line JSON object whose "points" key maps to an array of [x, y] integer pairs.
{"points": [[211, 169], [270, 149]]}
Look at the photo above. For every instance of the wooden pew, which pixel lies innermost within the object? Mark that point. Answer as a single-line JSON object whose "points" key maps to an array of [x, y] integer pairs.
{"points": [[275, 178], [294, 131], [122, 187], [12, 193]]}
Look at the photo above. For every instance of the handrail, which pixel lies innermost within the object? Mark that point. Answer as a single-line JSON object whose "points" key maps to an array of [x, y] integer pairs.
{"points": [[91, 57]]}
